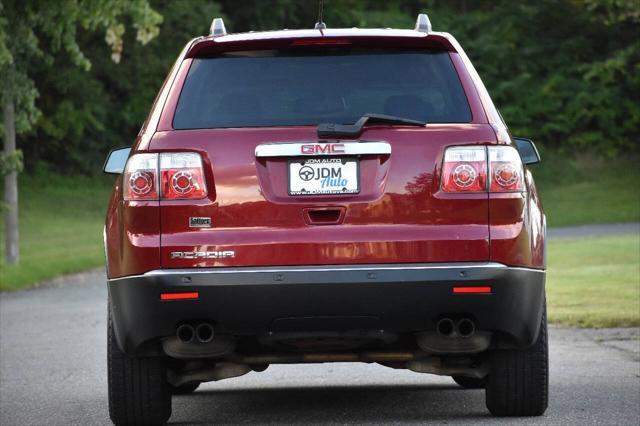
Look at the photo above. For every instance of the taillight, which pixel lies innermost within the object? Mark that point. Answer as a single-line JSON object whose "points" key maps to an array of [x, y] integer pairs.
{"points": [[505, 168], [180, 176], [141, 177], [465, 169]]}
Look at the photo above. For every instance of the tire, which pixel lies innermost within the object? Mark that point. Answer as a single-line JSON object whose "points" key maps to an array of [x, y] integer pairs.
{"points": [[470, 382], [138, 390], [184, 389], [519, 380]]}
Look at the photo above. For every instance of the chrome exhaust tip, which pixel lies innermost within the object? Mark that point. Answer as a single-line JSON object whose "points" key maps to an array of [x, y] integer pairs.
{"points": [[204, 332], [465, 327], [445, 327], [185, 333]]}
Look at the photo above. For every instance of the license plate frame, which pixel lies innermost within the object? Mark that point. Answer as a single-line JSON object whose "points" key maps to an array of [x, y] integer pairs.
{"points": [[315, 162]]}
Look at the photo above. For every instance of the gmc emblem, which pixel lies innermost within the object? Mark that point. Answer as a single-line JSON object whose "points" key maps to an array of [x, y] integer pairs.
{"points": [[327, 148]]}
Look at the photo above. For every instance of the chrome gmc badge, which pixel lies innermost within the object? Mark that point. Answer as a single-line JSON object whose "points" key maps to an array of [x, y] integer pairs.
{"points": [[327, 148]]}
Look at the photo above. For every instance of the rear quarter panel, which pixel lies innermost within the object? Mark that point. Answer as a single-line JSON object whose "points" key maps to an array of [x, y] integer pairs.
{"points": [[517, 227]]}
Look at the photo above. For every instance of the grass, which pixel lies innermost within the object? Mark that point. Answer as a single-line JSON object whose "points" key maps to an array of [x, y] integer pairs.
{"points": [[584, 190], [594, 282], [61, 221]]}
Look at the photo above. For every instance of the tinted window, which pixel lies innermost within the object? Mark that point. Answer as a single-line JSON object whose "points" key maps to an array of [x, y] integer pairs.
{"points": [[271, 89]]}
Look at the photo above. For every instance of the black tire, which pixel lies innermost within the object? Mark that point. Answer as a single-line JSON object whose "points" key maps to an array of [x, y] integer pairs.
{"points": [[138, 390], [519, 380], [184, 389], [470, 382]]}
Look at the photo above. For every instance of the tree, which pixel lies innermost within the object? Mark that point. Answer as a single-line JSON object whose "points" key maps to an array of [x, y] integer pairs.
{"points": [[29, 32], [86, 114]]}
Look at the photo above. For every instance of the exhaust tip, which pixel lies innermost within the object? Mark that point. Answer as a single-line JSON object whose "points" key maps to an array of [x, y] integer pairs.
{"points": [[466, 327], [445, 327], [204, 332], [185, 333]]}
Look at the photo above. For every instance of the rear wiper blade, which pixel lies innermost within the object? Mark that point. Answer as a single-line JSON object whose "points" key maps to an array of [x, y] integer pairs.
{"points": [[328, 130]]}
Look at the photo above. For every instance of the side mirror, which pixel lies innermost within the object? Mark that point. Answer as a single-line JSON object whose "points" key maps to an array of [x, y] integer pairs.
{"points": [[116, 161], [528, 151]]}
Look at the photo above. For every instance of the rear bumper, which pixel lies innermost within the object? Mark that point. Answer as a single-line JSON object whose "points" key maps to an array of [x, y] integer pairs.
{"points": [[402, 298]]}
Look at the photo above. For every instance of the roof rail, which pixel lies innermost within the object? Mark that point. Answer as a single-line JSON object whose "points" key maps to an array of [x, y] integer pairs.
{"points": [[423, 24], [217, 27]]}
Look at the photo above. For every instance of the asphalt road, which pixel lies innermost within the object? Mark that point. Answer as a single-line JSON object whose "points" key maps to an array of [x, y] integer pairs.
{"points": [[52, 372], [594, 230]]}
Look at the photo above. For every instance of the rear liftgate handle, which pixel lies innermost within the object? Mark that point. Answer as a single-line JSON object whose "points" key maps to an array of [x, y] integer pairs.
{"points": [[324, 215]]}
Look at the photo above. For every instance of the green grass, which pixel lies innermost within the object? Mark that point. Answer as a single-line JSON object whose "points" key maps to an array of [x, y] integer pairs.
{"points": [[583, 191], [61, 220], [594, 282]]}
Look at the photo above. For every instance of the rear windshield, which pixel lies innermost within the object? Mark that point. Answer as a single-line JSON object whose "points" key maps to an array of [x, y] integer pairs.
{"points": [[259, 89]]}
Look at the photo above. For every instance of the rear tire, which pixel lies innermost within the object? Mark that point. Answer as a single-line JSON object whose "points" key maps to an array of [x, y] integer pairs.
{"points": [[470, 382], [519, 380], [184, 389], [138, 389]]}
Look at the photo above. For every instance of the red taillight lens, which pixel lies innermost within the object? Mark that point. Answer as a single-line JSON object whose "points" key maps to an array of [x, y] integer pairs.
{"points": [[141, 177], [465, 169], [182, 176], [506, 170]]}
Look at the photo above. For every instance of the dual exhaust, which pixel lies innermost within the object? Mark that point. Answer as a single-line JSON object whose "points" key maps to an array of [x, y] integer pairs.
{"points": [[462, 328], [202, 333]]}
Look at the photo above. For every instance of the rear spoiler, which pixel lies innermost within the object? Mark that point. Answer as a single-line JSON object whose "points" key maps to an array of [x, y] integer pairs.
{"points": [[285, 40]]}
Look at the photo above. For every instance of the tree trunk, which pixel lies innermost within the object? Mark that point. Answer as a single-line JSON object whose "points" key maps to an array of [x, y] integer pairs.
{"points": [[10, 186]]}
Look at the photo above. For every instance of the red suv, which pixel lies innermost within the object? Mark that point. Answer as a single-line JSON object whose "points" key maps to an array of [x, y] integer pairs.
{"points": [[325, 195]]}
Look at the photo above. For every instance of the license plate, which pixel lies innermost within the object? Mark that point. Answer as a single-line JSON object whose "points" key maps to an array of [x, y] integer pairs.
{"points": [[322, 176]]}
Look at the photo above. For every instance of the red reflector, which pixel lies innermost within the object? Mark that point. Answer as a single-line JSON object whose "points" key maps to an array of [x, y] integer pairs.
{"points": [[477, 290], [179, 296]]}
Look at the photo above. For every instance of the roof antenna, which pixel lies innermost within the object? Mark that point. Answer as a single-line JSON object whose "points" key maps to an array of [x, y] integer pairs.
{"points": [[320, 25]]}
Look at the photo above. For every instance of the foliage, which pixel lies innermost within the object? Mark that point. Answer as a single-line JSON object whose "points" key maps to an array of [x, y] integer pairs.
{"points": [[563, 72], [32, 31], [11, 162], [566, 73], [89, 113]]}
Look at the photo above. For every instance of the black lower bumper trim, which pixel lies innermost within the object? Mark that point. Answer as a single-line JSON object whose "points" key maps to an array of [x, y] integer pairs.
{"points": [[400, 298]]}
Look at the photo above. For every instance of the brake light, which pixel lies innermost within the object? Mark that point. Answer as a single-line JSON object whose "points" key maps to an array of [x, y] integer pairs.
{"points": [[505, 168], [465, 169], [182, 176], [324, 41], [141, 177]]}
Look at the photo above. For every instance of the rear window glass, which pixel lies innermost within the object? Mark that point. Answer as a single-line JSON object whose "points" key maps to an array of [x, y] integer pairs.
{"points": [[260, 89]]}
